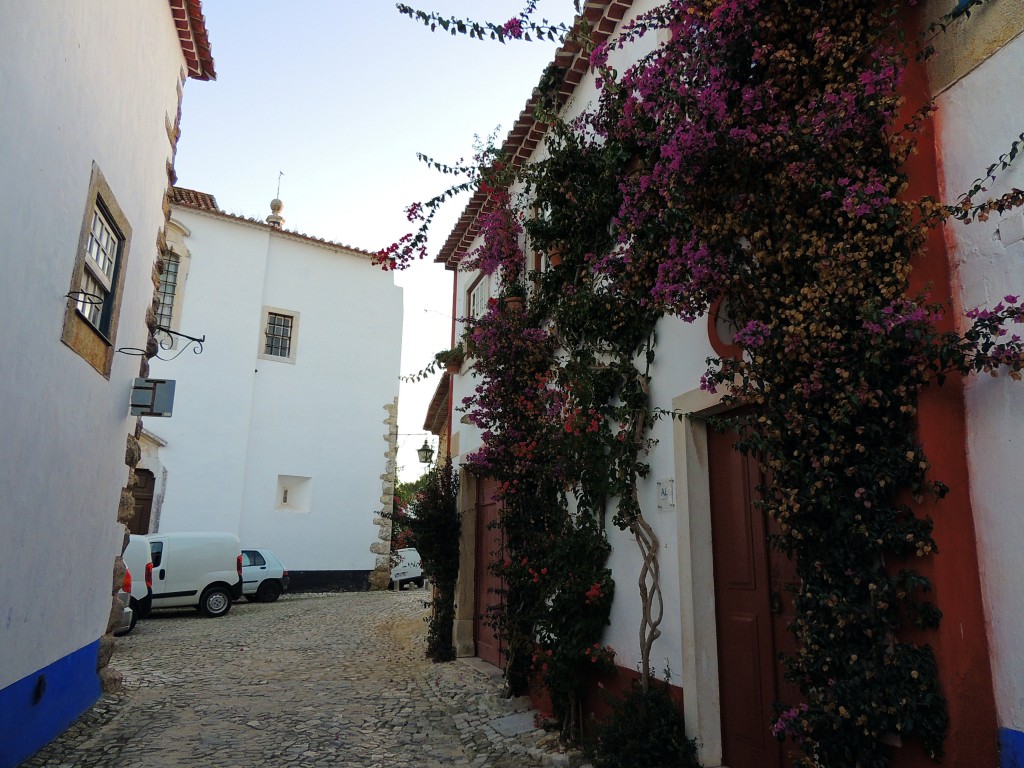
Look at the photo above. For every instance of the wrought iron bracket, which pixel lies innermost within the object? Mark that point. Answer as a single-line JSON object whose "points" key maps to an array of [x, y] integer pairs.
{"points": [[165, 339]]}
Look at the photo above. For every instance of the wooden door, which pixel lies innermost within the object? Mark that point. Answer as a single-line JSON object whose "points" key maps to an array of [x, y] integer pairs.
{"points": [[142, 492], [489, 548], [752, 609]]}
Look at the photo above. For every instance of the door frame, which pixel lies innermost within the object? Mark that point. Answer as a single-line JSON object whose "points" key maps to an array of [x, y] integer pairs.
{"points": [[698, 619], [465, 584]]}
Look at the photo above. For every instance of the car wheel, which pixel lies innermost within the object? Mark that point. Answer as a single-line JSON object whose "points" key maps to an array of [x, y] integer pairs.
{"points": [[268, 591], [418, 582], [216, 601]]}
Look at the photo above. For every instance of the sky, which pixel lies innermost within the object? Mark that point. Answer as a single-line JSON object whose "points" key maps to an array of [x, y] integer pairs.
{"points": [[340, 96]]}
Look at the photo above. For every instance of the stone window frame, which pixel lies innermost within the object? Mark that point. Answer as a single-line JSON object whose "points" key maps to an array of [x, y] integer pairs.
{"points": [[94, 343], [293, 335]]}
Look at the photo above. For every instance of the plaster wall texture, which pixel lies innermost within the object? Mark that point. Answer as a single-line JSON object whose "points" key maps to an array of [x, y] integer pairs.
{"points": [[979, 117], [83, 83], [241, 421]]}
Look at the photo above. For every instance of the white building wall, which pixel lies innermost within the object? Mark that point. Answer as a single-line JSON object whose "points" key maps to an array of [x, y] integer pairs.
{"points": [[241, 421], [82, 82], [979, 118], [208, 434]]}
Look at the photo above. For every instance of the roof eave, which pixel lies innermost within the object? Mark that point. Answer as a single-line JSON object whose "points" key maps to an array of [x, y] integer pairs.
{"points": [[573, 59], [194, 39]]}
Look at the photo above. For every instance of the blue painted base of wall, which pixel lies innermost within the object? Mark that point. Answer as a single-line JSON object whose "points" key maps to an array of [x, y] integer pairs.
{"points": [[34, 710], [1011, 748]]}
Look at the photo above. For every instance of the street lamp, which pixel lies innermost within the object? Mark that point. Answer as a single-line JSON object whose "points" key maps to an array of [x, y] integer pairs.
{"points": [[426, 453]]}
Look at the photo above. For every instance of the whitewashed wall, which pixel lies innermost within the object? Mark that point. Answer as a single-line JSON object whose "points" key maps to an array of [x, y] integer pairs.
{"points": [[82, 82], [240, 421], [979, 117]]}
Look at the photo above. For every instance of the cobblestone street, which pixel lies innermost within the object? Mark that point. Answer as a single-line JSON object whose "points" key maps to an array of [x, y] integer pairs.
{"points": [[311, 680]]}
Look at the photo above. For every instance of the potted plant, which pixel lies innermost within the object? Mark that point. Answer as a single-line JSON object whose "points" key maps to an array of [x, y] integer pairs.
{"points": [[513, 295], [555, 254], [452, 358]]}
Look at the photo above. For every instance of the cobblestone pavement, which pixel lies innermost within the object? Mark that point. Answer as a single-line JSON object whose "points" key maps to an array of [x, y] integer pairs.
{"points": [[311, 680]]}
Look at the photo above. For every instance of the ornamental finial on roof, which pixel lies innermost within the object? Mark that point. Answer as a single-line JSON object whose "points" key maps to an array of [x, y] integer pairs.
{"points": [[275, 219]]}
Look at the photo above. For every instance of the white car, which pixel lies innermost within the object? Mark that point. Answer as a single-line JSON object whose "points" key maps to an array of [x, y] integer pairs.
{"points": [[264, 577], [126, 621], [407, 570]]}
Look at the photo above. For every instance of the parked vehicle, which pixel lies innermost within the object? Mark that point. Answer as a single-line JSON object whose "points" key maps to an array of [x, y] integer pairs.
{"points": [[127, 622], [140, 564], [203, 570], [263, 575], [407, 570]]}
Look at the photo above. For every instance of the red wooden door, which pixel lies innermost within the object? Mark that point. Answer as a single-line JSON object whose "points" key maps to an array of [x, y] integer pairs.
{"points": [[752, 608], [489, 548], [142, 492]]}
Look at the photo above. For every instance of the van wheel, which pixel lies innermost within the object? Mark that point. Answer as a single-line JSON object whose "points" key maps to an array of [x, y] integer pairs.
{"points": [[216, 601], [418, 582], [268, 591]]}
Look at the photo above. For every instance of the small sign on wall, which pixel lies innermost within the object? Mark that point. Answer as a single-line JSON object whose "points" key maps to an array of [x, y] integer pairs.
{"points": [[667, 494], [152, 397]]}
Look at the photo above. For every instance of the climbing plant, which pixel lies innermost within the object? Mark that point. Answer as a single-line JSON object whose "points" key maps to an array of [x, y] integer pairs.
{"points": [[433, 519], [757, 156]]}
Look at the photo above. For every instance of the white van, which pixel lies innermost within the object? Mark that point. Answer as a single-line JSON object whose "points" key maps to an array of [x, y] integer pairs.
{"points": [[203, 570], [407, 568], [140, 565]]}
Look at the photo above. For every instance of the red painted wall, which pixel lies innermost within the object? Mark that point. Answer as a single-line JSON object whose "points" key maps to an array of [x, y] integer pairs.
{"points": [[960, 644]]}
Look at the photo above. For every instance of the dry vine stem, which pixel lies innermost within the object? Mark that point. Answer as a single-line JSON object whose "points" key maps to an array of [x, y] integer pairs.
{"points": [[649, 579], [650, 596]]}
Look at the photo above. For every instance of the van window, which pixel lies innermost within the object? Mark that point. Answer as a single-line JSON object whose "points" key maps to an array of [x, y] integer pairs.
{"points": [[157, 549]]}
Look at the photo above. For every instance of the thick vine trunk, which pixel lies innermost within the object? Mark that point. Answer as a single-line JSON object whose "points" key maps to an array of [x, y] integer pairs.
{"points": [[650, 594]]}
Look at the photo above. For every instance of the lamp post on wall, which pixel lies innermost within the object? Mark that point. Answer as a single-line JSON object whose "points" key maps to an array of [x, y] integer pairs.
{"points": [[426, 453]]}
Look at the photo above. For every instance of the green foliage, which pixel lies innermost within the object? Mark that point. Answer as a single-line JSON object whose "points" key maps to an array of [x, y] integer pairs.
{"points": [[645, 729], [407, 491], [453, 356], [435, 523], [525, 29], [577, 592], [573, 194]]}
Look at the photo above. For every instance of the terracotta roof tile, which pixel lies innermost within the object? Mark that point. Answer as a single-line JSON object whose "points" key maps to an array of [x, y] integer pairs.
{"points": [[190, 198], [192, 34], [573, 60]]}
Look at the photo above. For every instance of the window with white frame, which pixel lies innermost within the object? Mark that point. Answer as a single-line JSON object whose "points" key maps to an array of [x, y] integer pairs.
{"points": [[479, 293], [279, 334], [94, 298], [100, 262]]}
